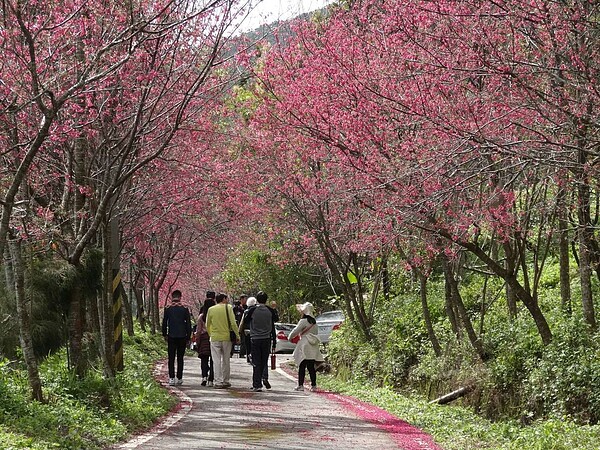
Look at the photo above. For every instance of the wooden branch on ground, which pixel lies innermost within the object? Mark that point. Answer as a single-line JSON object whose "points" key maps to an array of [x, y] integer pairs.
{"points": [[447, 398]]}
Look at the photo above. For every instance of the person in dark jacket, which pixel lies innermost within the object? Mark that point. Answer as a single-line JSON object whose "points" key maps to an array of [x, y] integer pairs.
{"points": [[261, 321], [244, 328], [239, 308], [177, 331], [203, 345]]}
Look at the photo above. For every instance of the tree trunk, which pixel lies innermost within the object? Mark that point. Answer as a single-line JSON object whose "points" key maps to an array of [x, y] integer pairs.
{"points": [[462, 311], [533, 307], [79, 152], [387, 282], [93, 315], [127, 318], [528, 300], [427, 316], [106, 316], [511, 302], [338, 268], [563, 245], [444, 399], [35, 383], [76, 327], [483, 307], [152, 304], [355, 305], [585, 276], [585, 248], [9, 273], [141, 313], [450, 310], [511, 298]]}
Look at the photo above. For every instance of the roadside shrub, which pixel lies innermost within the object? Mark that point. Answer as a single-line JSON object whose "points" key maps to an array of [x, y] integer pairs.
{"points": [[386, 359], [90, 412], [399, 342], [521, 380], [458, 367], [138, 399], [11, 391], [512, 344], [9, 332], [342, 350], [565, 381]]}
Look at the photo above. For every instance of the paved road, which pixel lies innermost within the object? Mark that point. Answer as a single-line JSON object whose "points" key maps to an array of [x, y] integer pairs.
{"points": [[280, 418]]}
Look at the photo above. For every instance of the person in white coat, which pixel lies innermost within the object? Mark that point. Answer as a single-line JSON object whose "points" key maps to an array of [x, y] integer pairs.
{"points": [[307, 350]]}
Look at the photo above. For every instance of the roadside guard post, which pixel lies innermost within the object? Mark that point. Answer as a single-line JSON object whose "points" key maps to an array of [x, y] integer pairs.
{"points": [[117, 290]]}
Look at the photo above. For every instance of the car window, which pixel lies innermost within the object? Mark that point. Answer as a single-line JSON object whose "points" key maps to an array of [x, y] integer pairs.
{"points": [[285, 326]]}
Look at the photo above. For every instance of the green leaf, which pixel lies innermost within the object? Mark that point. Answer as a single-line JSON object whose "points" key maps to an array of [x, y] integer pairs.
{"points": [[351, 278]]}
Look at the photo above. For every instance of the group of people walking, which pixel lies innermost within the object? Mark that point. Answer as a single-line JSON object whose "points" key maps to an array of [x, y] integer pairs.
{"points": [[219, 327]]}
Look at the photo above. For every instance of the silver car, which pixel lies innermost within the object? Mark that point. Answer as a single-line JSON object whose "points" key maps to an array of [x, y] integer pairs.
{"points": [[282, 345], [327, 322]]}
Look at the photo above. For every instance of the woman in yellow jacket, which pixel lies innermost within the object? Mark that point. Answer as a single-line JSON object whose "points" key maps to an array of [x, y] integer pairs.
{"points": [[220, 320]]}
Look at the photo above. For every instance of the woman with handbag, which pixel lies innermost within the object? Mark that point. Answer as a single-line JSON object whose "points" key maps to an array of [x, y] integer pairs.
{"points": [[307, 350], [203, 345], [220, 324]]}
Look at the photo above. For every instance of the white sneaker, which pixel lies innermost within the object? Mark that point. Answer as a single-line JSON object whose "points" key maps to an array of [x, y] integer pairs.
{"points": [[210, 384], [178, 382], [171, 381], [313, 389], [299, 388]]}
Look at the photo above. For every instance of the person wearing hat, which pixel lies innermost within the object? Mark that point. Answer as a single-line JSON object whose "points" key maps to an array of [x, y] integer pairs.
{"points": [[307, 350], [177, 331]]}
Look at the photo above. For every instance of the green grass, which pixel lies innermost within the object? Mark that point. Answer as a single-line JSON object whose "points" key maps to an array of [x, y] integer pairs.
{"points": [[456, 428], [89, 413]]}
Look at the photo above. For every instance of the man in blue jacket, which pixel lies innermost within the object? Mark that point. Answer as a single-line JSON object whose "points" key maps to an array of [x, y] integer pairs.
{"points": [[177, 331]]}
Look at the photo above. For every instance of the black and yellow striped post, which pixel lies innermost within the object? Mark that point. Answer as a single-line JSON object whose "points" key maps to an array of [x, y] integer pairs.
{"points": [[117, 296]]}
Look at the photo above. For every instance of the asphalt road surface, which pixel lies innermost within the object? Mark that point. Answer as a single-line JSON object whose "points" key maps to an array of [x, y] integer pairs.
{"points": [[279, 418]]}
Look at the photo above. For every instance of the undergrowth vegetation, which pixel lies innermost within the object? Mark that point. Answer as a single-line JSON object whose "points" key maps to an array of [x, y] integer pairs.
{"points": [[524, 395], [458, 428], [88, 413]]}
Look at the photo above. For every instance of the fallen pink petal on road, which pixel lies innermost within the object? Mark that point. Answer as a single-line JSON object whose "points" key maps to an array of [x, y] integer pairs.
{"points": [[403, 433]]}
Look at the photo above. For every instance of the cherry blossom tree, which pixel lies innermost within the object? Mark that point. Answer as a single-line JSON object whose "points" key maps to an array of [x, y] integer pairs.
{"points": [[444, 118], [90, 96]]}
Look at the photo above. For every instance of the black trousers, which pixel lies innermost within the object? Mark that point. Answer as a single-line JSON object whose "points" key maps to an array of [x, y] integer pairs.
{"points": [[207, 367], [261, 349], [248, 346], [310, 365], [176, 348]]}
